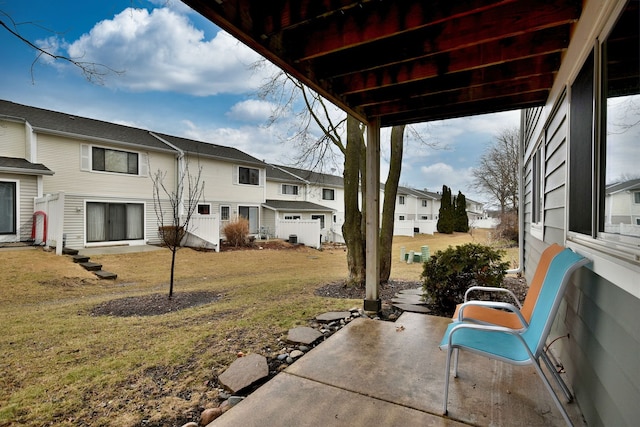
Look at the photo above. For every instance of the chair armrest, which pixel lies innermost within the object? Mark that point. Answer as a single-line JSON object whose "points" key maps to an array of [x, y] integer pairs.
{"points": [[491, 289], [491, 304]]}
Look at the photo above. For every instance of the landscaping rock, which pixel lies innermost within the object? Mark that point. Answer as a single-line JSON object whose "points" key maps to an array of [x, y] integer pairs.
{"points": [[244, 372], [303, 335], [208, 415], [333, 316]]}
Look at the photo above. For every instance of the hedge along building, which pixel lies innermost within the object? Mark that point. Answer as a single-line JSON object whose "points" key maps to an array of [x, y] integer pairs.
{"points": [[391, 63]]}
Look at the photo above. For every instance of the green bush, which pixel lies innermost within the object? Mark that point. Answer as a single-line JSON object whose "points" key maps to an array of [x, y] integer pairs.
{"points": [[449, 273]]}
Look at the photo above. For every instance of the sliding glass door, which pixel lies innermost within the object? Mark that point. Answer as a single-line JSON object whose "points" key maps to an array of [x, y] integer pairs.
{"points": [[108, 222]]}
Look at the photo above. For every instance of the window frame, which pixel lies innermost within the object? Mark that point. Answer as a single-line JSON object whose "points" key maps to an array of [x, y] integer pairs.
{"points": [[538, 190], [322, 219], [249, 176], [425, 203], [294, 188], [16, 206], [326, 191], [207, 205], [606, 249], [228, 214], [401, 200]]}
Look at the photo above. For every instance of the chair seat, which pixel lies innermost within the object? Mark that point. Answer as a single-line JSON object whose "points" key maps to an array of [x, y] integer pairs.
{"points": [[494, 344]]}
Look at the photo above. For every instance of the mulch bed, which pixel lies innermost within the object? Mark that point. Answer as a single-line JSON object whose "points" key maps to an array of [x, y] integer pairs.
{"points": [[155, 304]]}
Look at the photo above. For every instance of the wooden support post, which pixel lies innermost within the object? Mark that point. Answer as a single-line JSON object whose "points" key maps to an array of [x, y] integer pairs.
{"points": [[372, 301]]}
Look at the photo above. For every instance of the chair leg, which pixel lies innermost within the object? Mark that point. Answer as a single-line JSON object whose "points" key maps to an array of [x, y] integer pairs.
{"points": [[563, 386], [456, 354], [446, 380], [556, 400]]}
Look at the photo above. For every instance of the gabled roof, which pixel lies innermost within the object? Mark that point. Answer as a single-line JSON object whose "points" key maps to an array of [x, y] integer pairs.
{"points": [[295, 206], [276, 173], [57, 123], [23, 167], [210, 150], [633, 184], [409, 61], [314, 177]]}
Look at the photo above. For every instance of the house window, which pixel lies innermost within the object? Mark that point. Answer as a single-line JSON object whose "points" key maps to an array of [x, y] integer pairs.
{"points": [[401, 218], [424, 203], [7, 207], [328, 194], [249, 176], [321, 218], [204, 209], [537, 182], [603, 165], [424, 217], [401, 200], [290, 189], [636, 197], [292, 217], [107, 222], [224, 213], [107, 160], [250, 213]]}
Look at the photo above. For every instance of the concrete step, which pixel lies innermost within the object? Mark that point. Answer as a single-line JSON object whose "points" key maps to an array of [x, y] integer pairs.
{"points": [[67, 251], [91, 266], [105, 275], [80, 258]]}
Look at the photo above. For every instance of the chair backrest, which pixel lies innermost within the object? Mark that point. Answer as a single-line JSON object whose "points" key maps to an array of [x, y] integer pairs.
{"points": [[538, 279], [548, 302]]}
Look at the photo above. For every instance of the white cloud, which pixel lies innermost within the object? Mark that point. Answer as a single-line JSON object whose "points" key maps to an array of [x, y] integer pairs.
{"points": [[161, 50], [439, 174], [251, 110]]}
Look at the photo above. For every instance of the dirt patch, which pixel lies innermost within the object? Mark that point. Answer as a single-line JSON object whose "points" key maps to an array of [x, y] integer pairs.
{"points": [[155, 304], [275, 244], [68, 282]]}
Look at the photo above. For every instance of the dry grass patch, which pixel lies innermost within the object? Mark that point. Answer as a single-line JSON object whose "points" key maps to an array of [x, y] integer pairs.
{"points": [[62, 365]]}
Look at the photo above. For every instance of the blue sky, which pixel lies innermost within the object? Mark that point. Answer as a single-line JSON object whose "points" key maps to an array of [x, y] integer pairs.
{"points": [[185, 77]]}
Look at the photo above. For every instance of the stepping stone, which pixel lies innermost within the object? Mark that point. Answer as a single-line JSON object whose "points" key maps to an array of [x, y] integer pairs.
{"points": [[67, 251], [407, 301], [303, 335], [413, 308], [105, 275], [244, 372], [80, 258], [91, 266], [332, 316], [417, 291]]}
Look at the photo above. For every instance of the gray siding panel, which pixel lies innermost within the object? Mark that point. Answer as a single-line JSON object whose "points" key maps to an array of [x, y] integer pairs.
{"points": [[605, 356]]}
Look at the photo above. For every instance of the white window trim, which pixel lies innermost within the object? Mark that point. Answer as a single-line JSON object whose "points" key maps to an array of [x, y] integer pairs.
{"points": [[204, 204], [297, 189], [333, 192], [137, 242], [229, 209], [537, 228], [86, 160], [14, 237]]}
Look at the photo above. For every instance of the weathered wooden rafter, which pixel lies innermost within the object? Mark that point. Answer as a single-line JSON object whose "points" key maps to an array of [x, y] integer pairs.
{"points": [[409, 61]]}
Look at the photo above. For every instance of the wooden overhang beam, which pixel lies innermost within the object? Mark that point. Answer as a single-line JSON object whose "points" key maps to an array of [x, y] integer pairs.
{"points": [[474, 57]]}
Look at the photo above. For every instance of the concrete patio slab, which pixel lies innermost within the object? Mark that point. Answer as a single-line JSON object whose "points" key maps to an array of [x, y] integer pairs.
{"points": [[392, 374]]}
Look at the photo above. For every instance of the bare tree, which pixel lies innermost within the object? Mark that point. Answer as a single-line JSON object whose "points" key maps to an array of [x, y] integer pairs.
{"points": [[319, 138], [92, 71], [174, 219], [497, 172]]}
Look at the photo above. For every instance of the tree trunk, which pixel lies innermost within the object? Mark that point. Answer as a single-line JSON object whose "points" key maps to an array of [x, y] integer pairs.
{"points": [[352, 227], [389, 205]]}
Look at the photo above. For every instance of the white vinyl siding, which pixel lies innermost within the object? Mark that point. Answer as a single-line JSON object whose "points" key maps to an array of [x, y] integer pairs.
{"points": [[67, 159], [13, 139]]}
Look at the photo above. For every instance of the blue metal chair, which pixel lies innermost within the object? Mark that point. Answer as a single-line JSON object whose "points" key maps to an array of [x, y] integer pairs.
{"points": [[517, 347]]}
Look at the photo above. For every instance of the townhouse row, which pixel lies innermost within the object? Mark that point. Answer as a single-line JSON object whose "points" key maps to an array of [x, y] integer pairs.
{"points": [[100, 175]]}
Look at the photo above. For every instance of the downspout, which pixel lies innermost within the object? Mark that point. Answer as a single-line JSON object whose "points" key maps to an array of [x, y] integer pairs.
{"points": [[520, 267], [180, 161]]}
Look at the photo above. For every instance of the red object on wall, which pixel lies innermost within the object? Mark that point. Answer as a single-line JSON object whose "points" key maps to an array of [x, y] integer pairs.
{"points": [[33, 226]]}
